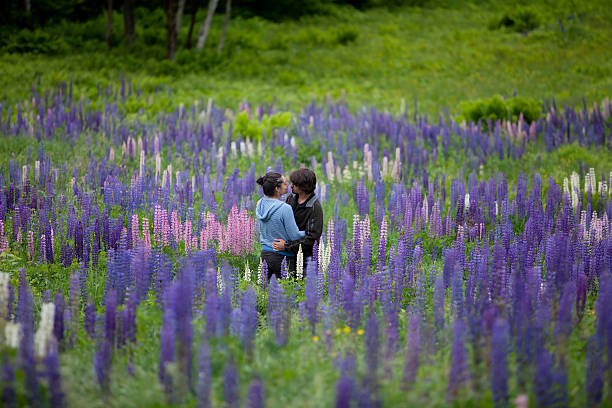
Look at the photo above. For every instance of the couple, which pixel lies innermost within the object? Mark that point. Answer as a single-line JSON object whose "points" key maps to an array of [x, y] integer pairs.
{"points": [[284, 226]]}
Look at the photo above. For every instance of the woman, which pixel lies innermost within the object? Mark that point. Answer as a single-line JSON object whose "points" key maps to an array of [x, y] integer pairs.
{"points": [[275, 221]]}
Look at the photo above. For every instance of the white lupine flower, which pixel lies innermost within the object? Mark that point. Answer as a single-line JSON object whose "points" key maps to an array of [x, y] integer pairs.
{"points": [[12, 333], [299, 265], [247, 273], [157, 165], [5, 279], [142, 163], [45, 329], [566, 190], [220, 283], [233, 150], [259, 272], [467, 201], [323, 191], [346, 176]]}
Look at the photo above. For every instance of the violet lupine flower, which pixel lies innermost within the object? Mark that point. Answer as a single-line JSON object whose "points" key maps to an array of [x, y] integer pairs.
{"points": [[249, 319], [311, 295], [166, 350], [74, 306], [102, 364], [255, 397], [499, 363], [210, 301], [110, 316], [90, 319], [8, 395], [231, 390], [564, 318], [594, 373], [439, 295], [52, 371], [344, 391], [411, 364], [58, 323], [372, 342], [459, 367], [550, 381], [204, 375]]}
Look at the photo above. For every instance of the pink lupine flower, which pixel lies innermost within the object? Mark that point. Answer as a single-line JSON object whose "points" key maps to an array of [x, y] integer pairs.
{"points": [[52, 244], [135, 229], [157, 223], [146, 233], [165, 228], [187, 235], [30, 245]]}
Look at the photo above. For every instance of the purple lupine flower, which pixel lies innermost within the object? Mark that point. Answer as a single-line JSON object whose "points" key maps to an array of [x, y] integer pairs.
{"points": [[249, 319], [372, 341], [27, 359], [594, 372], [564, 318], [255, 397], [204, 375], [74, 306], [550, 381], [110, 317], [344, 391], [231, 390], [90, 319], [210, 301], [8, 395], [499, 363], [52, 371], [411, 365], [439, 295], [459, 367], [102, 364], [311, 295], [166, 350]]}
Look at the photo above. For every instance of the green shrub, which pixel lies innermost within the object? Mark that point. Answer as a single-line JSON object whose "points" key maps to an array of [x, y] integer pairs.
{"points": [[346, 34], [497, 108], [520, 20], [36, 42]]}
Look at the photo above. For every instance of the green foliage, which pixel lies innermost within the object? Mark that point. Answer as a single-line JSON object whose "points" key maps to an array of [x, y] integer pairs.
{"points": [[35, 42], [522, 19], [497, 108], [254, 129]]}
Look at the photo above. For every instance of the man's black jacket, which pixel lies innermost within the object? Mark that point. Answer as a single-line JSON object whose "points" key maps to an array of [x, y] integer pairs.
{"points": [[309, 218]]}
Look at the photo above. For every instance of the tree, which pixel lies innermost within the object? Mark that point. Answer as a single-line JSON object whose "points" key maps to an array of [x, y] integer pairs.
{"points": [[194, 9], [228, 13], [109, 23], [128, 20], [205, 27], [179, 14], [171, 25]]}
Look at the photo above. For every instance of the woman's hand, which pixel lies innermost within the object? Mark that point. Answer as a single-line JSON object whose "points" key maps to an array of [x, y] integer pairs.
{"points": [[278, 245]]}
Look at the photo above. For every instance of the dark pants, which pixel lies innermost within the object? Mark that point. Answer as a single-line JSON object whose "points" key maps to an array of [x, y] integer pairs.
{"points": [[274, 261]]}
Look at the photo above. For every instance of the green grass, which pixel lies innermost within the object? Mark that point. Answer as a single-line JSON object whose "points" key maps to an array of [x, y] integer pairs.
{"points": [[438, 56]]}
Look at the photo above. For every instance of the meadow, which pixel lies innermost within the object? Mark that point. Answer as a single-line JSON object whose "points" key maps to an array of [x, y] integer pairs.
{"points": [[466, 253]]}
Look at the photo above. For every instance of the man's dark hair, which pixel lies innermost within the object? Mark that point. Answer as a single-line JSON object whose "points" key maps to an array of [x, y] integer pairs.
{"points": [[270, 181], [305, 179]]}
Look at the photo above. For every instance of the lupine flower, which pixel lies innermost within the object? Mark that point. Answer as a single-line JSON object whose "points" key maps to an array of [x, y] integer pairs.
{"points": [[312, 298], [230, 385], [459, 368], [8, 396], [52, 371], [255, 397], [499, 363], [204, 375], [372, 341]]}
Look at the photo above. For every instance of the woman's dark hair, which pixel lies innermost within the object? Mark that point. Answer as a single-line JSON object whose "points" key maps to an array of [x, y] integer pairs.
{"points": [[305, 179], [270, 181]]}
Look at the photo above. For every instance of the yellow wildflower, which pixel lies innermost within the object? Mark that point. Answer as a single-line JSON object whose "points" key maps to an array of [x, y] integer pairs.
{"points": [[315, 338], [360, 332], [347, 329]]}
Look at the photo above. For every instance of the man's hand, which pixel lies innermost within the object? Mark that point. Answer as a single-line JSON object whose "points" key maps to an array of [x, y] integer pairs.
{"points": [[278, 245]]}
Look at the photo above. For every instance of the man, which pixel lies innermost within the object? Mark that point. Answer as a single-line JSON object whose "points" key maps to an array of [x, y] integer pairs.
{"points": [[308, 215]]}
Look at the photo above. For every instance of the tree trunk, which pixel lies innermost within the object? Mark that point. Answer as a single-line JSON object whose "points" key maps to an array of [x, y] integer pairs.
{"points": [[128, 20], [179, 14], [109, 23], [172, 33], [27, 5], [228, 14], [205, 27], [194, 9]]}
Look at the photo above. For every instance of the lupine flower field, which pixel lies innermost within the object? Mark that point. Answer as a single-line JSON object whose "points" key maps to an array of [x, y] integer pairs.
{"points": [[130, 272]]}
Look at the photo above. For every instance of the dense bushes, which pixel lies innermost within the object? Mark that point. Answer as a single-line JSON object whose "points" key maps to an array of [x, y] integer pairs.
{"points": [[497, 108]]}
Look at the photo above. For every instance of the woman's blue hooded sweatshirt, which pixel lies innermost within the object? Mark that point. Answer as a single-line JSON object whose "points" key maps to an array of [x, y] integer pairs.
{"points": [[276, 221]]}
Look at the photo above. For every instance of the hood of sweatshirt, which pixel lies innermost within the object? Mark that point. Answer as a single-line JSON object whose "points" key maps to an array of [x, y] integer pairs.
{"points": [[266, 207]]}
